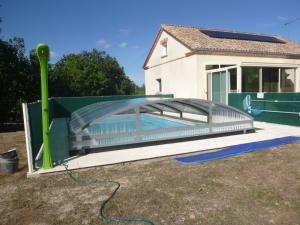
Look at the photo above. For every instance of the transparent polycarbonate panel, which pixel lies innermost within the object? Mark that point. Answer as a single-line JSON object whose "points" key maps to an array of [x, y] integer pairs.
{"points": [[221, 114], [84, 116], [167, 107], [189, 106], [127, 123], [88, 114], [203, 105], [124, 122], [148, 109]]}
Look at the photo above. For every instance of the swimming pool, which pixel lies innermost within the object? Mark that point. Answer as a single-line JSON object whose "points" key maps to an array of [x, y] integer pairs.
{"points": [[134, 121], [127, 123], [122, 129]]}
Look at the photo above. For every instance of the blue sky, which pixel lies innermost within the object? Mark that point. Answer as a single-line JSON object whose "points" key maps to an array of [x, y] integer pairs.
{"points": [[126, 29]]}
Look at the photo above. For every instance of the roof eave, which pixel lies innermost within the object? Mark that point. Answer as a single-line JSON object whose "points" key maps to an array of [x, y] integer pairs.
{"points": [[229, 52], [152, 48]]}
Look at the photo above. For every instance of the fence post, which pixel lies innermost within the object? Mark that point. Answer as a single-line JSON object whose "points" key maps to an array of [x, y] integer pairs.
{"points": [[27, 137]]}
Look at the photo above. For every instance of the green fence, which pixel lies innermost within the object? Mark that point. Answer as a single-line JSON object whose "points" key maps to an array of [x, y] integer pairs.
{"points": [[62, 108], [282, 108]]}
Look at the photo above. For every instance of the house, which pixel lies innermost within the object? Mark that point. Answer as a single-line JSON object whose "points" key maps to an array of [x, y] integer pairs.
{"points": [[203, 63]]}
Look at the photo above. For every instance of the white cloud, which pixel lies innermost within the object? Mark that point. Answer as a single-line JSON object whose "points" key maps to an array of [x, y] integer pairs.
{"points": [[53, 54], [123, 45], [124, 31], [135, 46], [107, 46], [103, 44], [282, 18]]}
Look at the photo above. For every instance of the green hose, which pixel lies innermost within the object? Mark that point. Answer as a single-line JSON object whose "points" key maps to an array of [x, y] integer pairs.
{"points": [[102, 215]]}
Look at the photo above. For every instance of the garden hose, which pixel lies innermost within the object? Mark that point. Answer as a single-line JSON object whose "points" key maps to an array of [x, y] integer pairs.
{"points": [[102, 215]]}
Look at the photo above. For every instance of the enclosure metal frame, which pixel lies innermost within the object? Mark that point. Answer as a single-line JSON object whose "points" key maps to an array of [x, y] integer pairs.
{"points": [[205, 129]]}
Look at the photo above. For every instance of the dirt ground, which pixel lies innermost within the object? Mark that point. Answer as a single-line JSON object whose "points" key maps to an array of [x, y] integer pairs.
{"points": [[256, 188]]}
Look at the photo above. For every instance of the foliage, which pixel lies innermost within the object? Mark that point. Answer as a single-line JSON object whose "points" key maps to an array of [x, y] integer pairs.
{"points": [[89, 73], [83, 74], [13, 78], [140, 90]]}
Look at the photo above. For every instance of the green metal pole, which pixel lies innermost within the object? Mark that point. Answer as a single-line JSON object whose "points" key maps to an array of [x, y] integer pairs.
{"points": [[43, 54]]}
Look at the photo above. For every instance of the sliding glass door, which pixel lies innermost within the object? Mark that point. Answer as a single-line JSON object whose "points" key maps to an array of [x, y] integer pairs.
{"points": [[220, 82], [250, 79], [218, 89], [270, 79]]}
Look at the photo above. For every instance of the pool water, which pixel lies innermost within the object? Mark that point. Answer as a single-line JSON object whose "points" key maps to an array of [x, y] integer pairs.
{"points": [[121, 129], [127, 123]]}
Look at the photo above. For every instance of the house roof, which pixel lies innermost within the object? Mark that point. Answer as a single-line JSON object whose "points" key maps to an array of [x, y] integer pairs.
{"points": [[197, 41]]}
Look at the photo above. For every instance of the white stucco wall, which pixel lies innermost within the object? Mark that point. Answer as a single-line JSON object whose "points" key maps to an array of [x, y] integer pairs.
{"points": [[175, 50], [177, 77], [177, 72]]}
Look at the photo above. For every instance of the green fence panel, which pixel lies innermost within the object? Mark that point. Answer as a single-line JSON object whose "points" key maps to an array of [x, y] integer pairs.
{"points": [[62, 108], [286, 106], [35, 124]]}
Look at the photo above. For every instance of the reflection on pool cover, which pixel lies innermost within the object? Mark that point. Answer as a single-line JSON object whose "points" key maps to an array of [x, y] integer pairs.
{"points": [[128, 121]]}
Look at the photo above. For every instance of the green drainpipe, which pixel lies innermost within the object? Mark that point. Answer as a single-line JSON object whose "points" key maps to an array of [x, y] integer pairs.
{"points": [[43, 54]]}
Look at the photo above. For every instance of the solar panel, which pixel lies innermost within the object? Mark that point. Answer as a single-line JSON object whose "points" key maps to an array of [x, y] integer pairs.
{"points": [[241, 36]]}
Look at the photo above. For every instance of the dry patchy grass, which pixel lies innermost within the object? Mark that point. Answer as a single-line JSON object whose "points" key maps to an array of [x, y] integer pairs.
{"points": [[255, 188]]}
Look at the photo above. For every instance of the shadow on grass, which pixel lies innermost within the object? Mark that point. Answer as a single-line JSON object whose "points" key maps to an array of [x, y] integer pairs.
{"points": [[11, 127]]}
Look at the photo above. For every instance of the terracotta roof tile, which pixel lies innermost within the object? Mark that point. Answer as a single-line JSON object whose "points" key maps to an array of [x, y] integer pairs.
{"points": [[194, 39]]}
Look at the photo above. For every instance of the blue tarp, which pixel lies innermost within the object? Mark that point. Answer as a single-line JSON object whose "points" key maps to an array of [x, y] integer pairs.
{"points": [[236, 150]]}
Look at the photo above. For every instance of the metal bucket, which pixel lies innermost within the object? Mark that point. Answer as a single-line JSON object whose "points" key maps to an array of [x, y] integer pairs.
{"points": [[9, 161]]}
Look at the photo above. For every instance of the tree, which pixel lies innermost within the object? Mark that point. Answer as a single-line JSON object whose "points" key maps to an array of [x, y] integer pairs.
{"points": [[89, 73], [13, 78], [140, 90], [83, 74]]}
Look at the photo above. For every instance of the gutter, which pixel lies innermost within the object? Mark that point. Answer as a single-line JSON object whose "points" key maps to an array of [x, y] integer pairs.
{"points": [[211, 51]]}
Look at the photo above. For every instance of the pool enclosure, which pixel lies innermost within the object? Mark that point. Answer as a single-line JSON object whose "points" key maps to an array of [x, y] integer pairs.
{"points": [[122, 122]]}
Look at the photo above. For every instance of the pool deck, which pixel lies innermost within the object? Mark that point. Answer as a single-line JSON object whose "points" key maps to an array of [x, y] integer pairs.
{"points": [[267, 131]]}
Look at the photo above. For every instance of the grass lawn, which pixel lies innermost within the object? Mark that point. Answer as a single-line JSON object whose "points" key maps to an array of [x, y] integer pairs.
{"points": [[256, 188]]}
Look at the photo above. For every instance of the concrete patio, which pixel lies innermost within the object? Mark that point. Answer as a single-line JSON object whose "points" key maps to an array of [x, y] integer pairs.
{"points": [[266, 131]]}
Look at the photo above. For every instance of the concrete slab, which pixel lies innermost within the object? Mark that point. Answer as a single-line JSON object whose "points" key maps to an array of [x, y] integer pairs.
{"points": [[267, 131]]}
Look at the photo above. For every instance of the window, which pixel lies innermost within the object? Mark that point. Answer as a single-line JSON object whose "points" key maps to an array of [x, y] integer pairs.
{"points": [[217, 66], [270, 79], [159, 85], [232, 80], [164, 48], [287, 80], [250, 79], [211, 67], [227, 65]]}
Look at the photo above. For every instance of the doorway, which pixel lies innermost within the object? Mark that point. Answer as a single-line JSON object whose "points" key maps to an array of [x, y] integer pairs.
{"points": [[220, 82]]}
